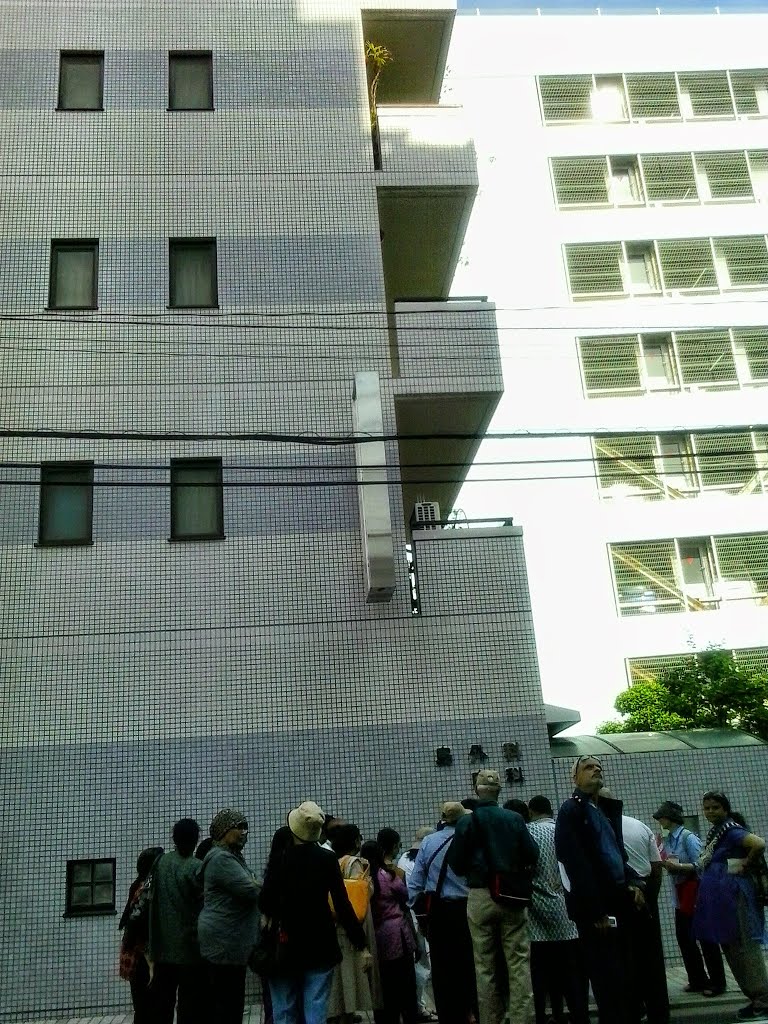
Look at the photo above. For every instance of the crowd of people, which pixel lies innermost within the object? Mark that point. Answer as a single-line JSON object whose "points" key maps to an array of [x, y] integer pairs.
{"points": [[513, 912]]}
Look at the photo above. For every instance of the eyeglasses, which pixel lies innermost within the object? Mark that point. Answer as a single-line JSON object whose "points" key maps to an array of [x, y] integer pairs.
{"points": [[588, 757]]}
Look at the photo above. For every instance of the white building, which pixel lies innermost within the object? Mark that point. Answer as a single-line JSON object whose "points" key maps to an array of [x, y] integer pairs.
{"points": [[203, 274], [621, 231]]}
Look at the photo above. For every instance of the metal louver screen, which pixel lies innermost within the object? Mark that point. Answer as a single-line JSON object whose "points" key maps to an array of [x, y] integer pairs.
{"points": [[746, 259], [669, 177], [686, 263], [754, 659], [725, 461], [705, 357], [652, 95], [580, 180], [565, 97], [610, 364], [645, 578], [744, 85], [626, 465], [709, 93], [743, 564], [595, 269], [645, 669], [753, 342], [727, 174]]}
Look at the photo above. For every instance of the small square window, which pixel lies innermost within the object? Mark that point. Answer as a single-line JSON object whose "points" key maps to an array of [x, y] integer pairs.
{"points": [[66, 505], [190, 81], [81, 80], [192, 273], [197, 499], [74, 274], [90, 887]]}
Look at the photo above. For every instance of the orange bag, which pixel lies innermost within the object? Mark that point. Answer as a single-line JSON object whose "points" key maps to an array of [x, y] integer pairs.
{"points": [[358, 891]]}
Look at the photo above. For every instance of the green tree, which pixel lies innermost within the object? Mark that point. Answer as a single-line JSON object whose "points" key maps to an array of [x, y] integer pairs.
{"points": [[710, 691]]}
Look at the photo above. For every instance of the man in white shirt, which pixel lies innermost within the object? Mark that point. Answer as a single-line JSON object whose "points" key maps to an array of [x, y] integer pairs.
{"points": [[648, 952]]}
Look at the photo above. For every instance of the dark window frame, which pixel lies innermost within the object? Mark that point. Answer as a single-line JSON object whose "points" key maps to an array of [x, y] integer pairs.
{"points": [[197, 243], [90, 909], [219, 489], [180, 55], [82, 53], [71, 245], [63, 467]]}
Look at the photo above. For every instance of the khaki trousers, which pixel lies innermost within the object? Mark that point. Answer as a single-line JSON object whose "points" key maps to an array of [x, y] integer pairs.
{"points": [[500, 948]]}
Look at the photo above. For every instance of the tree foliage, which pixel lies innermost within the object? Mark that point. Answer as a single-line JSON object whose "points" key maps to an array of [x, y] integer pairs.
{"points": [[710, 691]]}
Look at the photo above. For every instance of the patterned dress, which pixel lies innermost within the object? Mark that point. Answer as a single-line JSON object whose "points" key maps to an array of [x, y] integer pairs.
{"points": [[548, 919]]}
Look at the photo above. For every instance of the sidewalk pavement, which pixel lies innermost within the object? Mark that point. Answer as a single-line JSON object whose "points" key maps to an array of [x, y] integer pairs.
{"points": [[676, 982]]}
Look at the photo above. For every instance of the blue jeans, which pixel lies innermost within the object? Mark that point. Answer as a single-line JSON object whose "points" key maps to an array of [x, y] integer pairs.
{"points": [[297, 997]]}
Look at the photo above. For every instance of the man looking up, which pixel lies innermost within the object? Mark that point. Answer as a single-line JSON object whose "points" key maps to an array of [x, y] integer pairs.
{"points": [[492, 849], [601, 890]]}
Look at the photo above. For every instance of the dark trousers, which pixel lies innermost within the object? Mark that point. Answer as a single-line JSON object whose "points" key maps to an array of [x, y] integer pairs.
{"points": [[225, 993], [606, 955], [453, 962], [649, 973], [140, 993], [557, 971], [184, 981], [398, 989], [697, 955]]}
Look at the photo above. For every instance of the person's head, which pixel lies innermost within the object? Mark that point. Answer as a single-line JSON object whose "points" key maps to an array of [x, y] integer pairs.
{"points": [[451, 811], [716, 807], [229, 829], [346, 840], [520, 806], [203, 848], [540, 807], [371, 851], [185, 835], [330, 822], [488, 784], [669, 815], [146, 859], [306, 822], [389, 841], [587, 774], [419, 836]]}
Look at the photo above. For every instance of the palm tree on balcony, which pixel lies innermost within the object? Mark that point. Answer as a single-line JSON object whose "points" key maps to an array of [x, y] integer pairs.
{"points": [[376, 59]]}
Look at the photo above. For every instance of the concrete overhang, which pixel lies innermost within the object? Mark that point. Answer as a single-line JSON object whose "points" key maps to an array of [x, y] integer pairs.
{"points": [[418, 39], [422, 231]]}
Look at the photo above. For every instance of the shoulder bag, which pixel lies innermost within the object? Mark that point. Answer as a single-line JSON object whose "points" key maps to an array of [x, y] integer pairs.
{"points": [[422, 905], [358, 890], [509, 889]]}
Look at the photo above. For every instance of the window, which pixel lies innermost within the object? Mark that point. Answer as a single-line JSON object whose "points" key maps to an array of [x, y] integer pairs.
{"points": [[626, 186], [724, 175], [609, 102], [192, 273], [74, 274], [90, 887], [758, 166], [197, 499], [595, 269], [81, 81], [751, 348], [66, 503], [675, 462], [659, 363], [706, 94], [696, 569], [750, 91], [190, 81], [565, 97], [742, 262], [653, 96], [580, 180], [669, 177], [686, 264], [642, 270]]}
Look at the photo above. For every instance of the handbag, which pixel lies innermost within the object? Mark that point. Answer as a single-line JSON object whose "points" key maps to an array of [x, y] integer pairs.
{"points": [[759, 874], [687, 893], [270, 954], [358, 891], [422, 904]]}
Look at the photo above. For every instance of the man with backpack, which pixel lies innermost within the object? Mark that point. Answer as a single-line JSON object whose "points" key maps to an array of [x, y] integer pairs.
{"points": [[493, 850]]}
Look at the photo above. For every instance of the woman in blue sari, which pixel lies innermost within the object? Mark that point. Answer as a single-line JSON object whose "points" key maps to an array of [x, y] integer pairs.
{"points": [[727, 911]]}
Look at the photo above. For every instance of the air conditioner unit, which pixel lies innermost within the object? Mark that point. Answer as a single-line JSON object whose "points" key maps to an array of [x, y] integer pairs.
{"points": [[424, 513]]}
